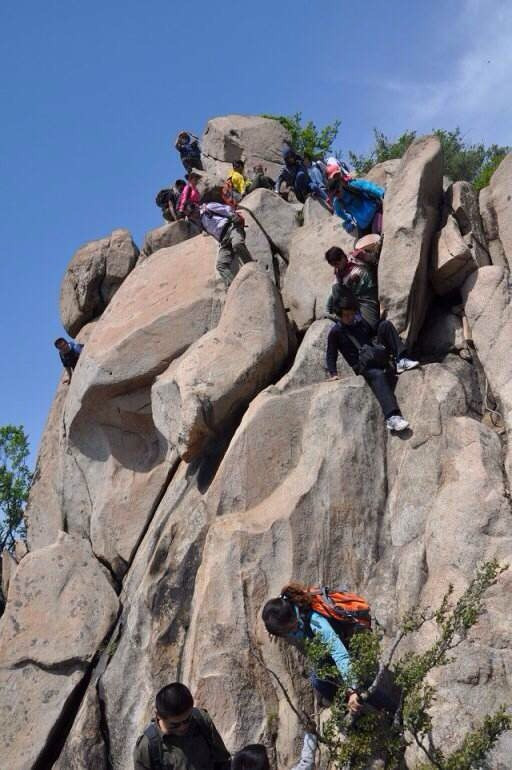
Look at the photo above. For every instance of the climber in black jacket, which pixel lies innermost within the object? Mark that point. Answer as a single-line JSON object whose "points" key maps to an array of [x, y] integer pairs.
{"points": [[376, 355]]}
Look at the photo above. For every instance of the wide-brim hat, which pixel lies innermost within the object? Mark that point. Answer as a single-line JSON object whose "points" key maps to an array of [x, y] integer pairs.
{"points": [[369, 243]]}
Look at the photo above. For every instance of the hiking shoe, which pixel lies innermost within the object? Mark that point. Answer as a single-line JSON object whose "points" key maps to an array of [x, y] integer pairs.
{"points": [[405, 364], [397, 423]]}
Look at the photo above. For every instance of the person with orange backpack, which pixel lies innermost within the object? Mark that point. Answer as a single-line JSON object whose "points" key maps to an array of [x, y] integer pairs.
{"points": [[301, 613]]}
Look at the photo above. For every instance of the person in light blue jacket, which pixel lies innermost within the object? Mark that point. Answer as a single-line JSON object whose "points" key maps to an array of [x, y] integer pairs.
{"points": [[290, 617], [358, 202]]}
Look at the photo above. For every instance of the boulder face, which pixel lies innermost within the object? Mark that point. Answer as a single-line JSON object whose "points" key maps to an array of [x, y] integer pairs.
{"points": [[165, 236], [203, 391], [383, 173], [93, 276], [462, 200], [501, 193], [43, 662], [490, 225], [200, 459], [411, 215], [248, 137]]}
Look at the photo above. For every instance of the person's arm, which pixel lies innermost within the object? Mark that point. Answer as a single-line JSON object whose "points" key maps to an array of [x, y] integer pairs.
{"points": [[184, 198], [69, 371], [221, 757], [340, 211], [141, 758], [337, 650], [221, 210]]}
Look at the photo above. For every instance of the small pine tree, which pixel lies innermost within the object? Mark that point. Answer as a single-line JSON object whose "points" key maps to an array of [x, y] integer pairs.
{"points": [[307, 137]]}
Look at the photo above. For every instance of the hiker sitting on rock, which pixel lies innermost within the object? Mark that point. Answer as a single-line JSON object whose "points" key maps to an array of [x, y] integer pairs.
{"points": [[189, 150], [168, 200], [317, 178], [188, 205], [255, 757], [227, 227], [180, 736], [358, 202], [294, 174], [69, 352], [236, 185], [357, 272], [260, 179], [376, 354], [292, 617]]}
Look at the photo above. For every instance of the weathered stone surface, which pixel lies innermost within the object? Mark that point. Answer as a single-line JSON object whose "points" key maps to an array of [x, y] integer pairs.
{"points": [[452, 259], [93, 276], [276, 217], [43, 661], [85, 747], [249, 137], [489, 311], [462, 199], [383, 173], [411, 213], [441, 334], [309, 278], [490, 225], [7, 569], [204, 391], [501, 192], [315, 211], [167, 235]]}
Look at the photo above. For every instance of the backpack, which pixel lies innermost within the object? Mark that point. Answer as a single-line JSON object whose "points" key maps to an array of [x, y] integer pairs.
{"points": [[345, 611], [155, 741]]}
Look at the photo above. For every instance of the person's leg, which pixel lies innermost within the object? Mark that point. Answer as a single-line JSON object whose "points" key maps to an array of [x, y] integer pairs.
{"points": [[225, 260], [301, 186], [325, 688], [388, 336], [381, 385], [239, 248]]}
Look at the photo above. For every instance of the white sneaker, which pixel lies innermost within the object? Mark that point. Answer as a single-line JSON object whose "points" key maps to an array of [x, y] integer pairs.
{"points": [[405, 364], [397, 423]]}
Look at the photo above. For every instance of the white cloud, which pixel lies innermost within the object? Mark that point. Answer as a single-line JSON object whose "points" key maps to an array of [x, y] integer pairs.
{"points": [[476, 92]]}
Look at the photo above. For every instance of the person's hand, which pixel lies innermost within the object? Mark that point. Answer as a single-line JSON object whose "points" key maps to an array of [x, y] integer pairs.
{"points": [[354, 705]]}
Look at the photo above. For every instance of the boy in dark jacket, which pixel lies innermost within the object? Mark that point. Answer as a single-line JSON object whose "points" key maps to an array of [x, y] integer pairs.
{"points": [[350, 336], [294, 174], [69, 352], [189, 150], [181, 737]]}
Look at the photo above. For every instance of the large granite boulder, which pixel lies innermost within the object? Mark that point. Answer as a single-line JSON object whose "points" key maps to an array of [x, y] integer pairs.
{"points": [[309, 278], [274, 216], [452, 259], [167, 235], [93, 276], [501, 193], [490, 225], [411, 216], [383, 173], [462, 200], [204, 391], [249, 137], [42, 661], [489, 311]]}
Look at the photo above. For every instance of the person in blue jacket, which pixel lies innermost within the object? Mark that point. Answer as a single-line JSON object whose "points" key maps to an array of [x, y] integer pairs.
{"points": [[358, 202], [290, 617], [317, 178], [294, 174], [69, 352]]}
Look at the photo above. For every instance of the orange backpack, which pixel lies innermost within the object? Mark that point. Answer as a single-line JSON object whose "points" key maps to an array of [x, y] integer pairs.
{"points": [[342, 607]]}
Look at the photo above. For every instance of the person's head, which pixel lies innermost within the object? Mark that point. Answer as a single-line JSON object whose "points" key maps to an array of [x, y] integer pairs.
{"points": [[279, 615], [253, 757], [180, 184], [239, 165], [335, 184], [346, 307], [258, 169], [193, 178], [61, 344], [173, 706], [183, 137], [336, 257]]}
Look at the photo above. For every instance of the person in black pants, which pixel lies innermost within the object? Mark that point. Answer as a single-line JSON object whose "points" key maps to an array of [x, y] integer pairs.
{"points": [[354, 338]]}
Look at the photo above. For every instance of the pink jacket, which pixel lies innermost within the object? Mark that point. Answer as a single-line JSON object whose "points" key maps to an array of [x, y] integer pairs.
{"points": [[190, 195]]}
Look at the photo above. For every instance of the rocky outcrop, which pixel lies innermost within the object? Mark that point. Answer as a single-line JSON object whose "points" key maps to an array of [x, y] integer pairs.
{"points": [[44, 662], [383, 173], [309, 278], [166, 236], [490, 225], [462, 200], [501, 194], [93, 276], [452, 259], [277, 219], [411, 215], [248, 137], [204, 391]]}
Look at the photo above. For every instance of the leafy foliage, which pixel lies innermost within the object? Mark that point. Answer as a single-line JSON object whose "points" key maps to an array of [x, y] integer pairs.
{"points": [[471, 162], [15, 480], [379, 735], [307, 137]]}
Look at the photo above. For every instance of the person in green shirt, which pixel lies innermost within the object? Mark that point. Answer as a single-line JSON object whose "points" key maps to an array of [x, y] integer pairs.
{"points": [[181, 737]]}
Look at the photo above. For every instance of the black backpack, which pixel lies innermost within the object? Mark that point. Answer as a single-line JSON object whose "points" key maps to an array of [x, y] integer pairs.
{"points": [[155, 741]]}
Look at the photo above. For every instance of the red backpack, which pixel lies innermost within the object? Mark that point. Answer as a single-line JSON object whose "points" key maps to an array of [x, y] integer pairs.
{"points": [[341, 607]]}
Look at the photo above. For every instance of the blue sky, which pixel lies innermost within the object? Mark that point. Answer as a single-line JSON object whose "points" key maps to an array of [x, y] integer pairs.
{"points": [[92, 94]]}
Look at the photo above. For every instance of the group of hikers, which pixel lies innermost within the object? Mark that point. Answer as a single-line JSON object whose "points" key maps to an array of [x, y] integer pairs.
{"points": [[184, 737]]}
